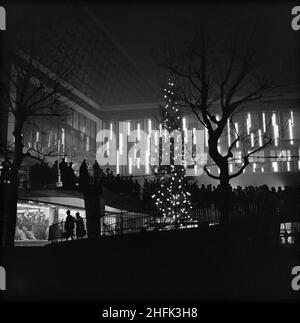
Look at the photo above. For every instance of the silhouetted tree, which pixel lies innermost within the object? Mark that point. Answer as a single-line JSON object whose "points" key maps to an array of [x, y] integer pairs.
{"points": [[217, 76], [29, 91]]}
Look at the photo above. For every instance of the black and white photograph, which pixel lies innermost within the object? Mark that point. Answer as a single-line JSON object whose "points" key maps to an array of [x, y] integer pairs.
{"points": [[150, 154]]}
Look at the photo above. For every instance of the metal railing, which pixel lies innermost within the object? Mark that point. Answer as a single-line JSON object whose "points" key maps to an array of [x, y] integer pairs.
{"points": [[137, 222]]}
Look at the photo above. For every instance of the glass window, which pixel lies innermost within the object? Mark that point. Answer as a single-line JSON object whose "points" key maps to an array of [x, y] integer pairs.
{"points": [[93, 129], [70, 119], [82, 123], [88, 127], [87, 144], [75, 120]]}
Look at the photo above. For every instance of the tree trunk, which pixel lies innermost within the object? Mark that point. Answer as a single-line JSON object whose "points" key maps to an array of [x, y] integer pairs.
{"points": [[11, 191], [10, 214], [224, 196]]}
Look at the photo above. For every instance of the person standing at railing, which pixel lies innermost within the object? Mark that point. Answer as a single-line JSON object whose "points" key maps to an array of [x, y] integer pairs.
{"points": [[96, 171], [80, 232], [54, 172], [69, 226], [63, 170], [83, 174]]}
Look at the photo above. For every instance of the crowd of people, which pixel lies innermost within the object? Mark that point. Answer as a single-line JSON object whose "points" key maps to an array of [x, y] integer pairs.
{"points": [[42, 174]]}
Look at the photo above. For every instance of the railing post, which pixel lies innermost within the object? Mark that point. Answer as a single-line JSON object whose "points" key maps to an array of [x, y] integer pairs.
{"points": [[121, 224]]}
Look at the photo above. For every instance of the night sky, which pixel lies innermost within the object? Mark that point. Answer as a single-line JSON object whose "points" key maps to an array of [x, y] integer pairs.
{"points": [[144, 29]]}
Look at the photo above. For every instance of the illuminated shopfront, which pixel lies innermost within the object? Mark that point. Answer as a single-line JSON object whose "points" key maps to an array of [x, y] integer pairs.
{"points": [[34, 219]]}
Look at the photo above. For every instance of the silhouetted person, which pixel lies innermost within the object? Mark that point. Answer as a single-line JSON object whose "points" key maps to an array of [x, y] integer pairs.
{"points": [[70, 176], [96, 171], [69, 226], [80, 232], [63, 171], [54, 172], [83, 174]]}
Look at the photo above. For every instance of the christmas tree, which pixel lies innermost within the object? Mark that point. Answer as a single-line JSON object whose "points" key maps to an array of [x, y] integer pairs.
{"points": [[171, 199]]}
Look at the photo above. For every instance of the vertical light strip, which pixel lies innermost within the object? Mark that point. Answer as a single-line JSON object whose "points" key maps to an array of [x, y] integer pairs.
{"points": [[194, 136], [62, 139], [111, 131], [230, 168], [107, 147], [254, 167], [206, 137], [260, 138], [248, 121], [275, 128], [118, 166], [291, 131], [121, 143], [128, 128], [228, 132], [138, 131], [149, 126], [130, 165], [147, 154], [288, 165], [275, 167], [264, 121], [252, 139], [183, 124], [236, 135]]}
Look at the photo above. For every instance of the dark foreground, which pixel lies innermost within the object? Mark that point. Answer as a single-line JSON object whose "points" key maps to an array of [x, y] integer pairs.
{"points": [[190, 265]]}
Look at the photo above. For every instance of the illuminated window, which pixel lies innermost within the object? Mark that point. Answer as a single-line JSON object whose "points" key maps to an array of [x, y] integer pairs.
{"points": [[87, 145], [275, 167]]}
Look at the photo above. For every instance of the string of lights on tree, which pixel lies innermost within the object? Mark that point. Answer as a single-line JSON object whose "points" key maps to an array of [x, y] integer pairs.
{"points": [[172, 200]]}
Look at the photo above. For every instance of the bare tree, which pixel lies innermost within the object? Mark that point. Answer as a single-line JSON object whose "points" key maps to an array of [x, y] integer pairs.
{"points": [[216, 78], [32, 91]]}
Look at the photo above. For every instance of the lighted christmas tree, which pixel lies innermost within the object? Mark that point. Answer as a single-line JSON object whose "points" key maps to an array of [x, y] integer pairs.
{"points": [[172, 199]]}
